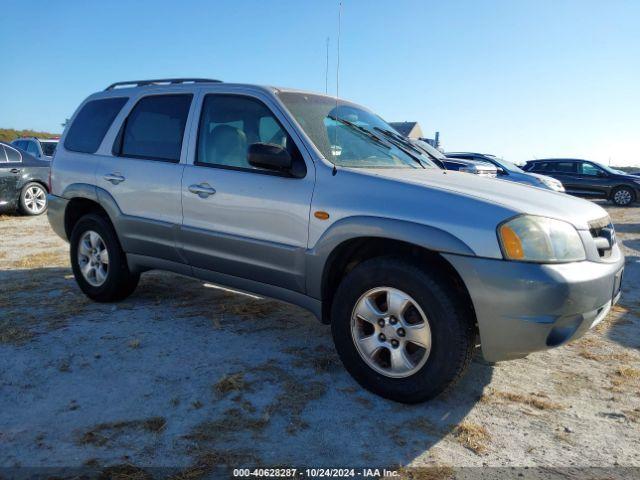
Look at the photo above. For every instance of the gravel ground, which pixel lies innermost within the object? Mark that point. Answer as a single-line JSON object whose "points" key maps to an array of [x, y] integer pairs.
{"points": [[188, 375]]}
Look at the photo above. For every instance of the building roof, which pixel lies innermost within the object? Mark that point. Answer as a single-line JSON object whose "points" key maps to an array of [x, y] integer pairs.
{"points": [[404, 128]]}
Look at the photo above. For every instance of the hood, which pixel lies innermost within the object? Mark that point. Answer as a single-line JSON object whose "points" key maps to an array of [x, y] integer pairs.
{"points": [[516, 197]]}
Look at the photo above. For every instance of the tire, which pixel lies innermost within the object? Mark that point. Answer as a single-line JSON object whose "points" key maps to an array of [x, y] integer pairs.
{"points": [[33, 199], [623, 196], [450, 324], [115, 282]]}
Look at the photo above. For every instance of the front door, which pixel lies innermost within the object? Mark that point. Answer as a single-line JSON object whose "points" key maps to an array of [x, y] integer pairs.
{"points": [[593, 179], [240, 220], [143, 175]]}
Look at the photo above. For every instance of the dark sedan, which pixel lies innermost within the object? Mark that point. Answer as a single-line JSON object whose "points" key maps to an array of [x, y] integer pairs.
{"points": [[23, 181], [589, 179]]}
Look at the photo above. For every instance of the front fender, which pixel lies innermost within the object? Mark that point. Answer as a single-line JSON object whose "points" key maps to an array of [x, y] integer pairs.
{"points": [[350, 228]]}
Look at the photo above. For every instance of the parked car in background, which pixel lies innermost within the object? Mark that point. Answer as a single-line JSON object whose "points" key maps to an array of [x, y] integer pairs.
{"points": [[510, 171], [318, 202], [23, 181], [484, 169], [589, 179], [42, 148], [470, 166]]}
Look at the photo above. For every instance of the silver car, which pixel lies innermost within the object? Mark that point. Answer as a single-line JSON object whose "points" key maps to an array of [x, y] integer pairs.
{"points": [[318, 202], [510, 171]]}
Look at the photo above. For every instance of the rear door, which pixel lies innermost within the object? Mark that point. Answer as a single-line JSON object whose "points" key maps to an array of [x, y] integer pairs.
{"points": [[10, 168], [240, 220], [567, 173], [143, 174]]}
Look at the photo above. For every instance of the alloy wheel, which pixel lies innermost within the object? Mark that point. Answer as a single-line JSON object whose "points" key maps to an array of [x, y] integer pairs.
{"points": [[391, 332], [35, 199], [622, 197], [93, 258]]}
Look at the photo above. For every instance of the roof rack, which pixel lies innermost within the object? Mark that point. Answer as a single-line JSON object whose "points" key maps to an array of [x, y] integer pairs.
{"points": [[161, 81]]}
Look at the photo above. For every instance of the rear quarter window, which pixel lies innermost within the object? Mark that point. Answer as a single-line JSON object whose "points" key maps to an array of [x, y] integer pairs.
{"points": [[12, 155], [91, 124], [155, 127]]}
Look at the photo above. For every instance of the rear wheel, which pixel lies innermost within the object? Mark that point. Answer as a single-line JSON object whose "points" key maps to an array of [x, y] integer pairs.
{"points": [[400, 332], [623, 196], [99, 263], [33, 199]]}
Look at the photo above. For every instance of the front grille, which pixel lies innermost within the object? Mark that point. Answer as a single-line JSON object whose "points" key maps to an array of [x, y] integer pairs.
{"points": [[604, 235]]}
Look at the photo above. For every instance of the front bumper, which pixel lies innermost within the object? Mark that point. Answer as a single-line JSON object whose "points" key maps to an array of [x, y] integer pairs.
{"points": [[525, 307]]}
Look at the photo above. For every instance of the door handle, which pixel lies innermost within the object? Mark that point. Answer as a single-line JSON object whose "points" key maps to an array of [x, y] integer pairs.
{"points": [[114, 178], [203, 190], [15, 170]]}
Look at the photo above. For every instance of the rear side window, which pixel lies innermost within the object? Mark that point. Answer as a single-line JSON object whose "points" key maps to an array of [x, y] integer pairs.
{"points": [[91, 124], [539, 167], [563, 167], [155, 127], [13, 155], [32, 148]]}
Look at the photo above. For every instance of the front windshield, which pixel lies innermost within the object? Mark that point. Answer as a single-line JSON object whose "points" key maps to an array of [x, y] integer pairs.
{"points": [[347, 135], [507, 165], [609, 169], [431, 150], [48, 148]]}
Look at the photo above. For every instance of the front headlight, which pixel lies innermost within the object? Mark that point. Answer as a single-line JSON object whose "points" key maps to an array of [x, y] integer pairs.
{"points": [[529, 238], [552, 184]]}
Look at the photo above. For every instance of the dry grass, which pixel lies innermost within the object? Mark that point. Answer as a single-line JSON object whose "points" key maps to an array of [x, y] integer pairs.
{"points": [[103, 433], [628, 372], [425, 473], [605, 357], [125, 472], [14, 334], [208, 461], [536, 400], [321, 359], [472, 436], [294, 397], [232, 421], [231, 383], [633, 415], [41, 260]]}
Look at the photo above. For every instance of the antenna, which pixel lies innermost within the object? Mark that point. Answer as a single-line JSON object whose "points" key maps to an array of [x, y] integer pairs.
{"points": [[338, 59], [335, 170], [326, 71]]}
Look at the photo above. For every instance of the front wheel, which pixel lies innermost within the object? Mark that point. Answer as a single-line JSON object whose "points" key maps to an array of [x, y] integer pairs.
{"points": [[623, 196], [33, 199], [99, 264], [400, 332]]}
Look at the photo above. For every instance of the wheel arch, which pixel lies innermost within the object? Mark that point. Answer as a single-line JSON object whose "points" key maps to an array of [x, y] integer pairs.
{"points": [[84, 199], [346, 245], [615, 188]]}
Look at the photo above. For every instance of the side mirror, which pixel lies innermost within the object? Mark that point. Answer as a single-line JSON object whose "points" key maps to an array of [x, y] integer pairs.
{"points": [[501, 171], [602, 173], [269, 156]]}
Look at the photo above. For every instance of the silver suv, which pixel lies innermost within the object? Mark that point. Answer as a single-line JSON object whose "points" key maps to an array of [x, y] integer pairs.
{"points": [[319, 202]]}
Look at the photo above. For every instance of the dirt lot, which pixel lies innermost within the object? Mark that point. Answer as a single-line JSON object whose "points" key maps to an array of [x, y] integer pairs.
{"points": [[188, 375]]}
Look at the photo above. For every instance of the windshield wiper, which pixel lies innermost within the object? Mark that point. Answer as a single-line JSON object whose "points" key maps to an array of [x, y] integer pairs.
{"points": [[409, 144], [362, 130]]}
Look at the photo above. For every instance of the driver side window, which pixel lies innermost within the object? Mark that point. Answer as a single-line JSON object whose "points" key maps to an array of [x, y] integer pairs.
{"points": [[229, 124], [589, 169]]}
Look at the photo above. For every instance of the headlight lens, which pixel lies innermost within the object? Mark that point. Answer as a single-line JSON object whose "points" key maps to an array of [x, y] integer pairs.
{"points": [[538, 239], [552, 184]]}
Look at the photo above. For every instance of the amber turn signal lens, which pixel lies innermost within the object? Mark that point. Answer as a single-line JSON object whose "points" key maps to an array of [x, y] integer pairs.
{"points": [[511, 243], [321, 215]]}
